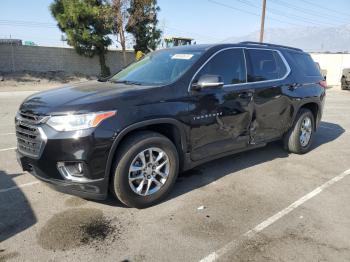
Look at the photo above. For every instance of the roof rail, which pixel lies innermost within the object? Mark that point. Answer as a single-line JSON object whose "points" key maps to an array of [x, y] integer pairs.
{"points": [[267, 44]]}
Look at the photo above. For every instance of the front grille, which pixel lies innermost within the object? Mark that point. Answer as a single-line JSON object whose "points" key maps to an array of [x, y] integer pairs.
{"points": [[29, 118], [29, 139]]}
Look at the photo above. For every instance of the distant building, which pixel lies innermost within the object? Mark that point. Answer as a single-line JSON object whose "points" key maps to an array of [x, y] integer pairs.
{"points": [[15, 42]]}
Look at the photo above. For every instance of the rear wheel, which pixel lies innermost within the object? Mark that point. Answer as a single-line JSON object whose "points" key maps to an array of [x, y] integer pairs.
{"points": [[146, 169], [343, 84], [299, 138]]}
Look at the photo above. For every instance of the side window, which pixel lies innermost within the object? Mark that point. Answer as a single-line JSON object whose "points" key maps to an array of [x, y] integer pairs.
{"points": [[265, 65], [229, 64], [306, 64]]}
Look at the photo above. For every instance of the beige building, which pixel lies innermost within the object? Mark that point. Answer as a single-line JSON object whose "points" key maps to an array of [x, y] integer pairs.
{"points": [[334, 65]]}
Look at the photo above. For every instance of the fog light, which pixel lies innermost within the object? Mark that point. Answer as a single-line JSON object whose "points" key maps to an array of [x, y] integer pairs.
{"points": [[72, 170], [80, 168]]}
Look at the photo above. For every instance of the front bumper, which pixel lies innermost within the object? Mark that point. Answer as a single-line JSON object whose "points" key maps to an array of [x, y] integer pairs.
{"points": [[91, 148], [94, 189]]}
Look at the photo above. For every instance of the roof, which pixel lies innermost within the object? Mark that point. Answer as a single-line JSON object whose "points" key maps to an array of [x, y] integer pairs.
{"points": [[203, 47], [250, 43]]}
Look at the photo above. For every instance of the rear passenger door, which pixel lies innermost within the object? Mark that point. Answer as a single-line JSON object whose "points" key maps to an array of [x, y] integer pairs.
{"points": [[268, 74]]}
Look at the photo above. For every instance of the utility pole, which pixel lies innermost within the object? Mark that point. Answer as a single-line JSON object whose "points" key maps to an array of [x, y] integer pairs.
{"points": [[262, 21], [12, 55]]}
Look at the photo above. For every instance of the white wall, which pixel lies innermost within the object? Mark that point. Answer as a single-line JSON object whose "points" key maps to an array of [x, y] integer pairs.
{"points": [[334, 64]]}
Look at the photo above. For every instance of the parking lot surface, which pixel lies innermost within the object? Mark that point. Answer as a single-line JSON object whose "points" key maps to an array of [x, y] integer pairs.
{"points": [[261, 205]]}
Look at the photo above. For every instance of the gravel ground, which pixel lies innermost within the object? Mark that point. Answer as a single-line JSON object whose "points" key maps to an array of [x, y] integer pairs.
{"points": [[36, 81]]}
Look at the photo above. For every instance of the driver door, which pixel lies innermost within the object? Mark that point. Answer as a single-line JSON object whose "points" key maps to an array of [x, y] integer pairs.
{"points": [[221, 115]]}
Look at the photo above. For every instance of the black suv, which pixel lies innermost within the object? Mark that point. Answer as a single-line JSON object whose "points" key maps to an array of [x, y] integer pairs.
{"points": [[171, 111]]}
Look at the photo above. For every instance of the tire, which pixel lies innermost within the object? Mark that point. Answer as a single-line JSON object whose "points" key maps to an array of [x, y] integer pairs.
{"points": [[344, 86], [129, 152], [292, 139]]}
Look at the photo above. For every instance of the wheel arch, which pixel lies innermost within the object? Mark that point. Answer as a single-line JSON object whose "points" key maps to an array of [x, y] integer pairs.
{"points": [[171, 128], [314, 107]]}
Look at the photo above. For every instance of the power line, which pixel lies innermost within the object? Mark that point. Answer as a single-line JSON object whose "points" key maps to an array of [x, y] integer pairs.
{"points": [[300, 18], [327, 9], [190, 33], [286, 15], [304, 10], [249, 12], [34, 24], [309, 12], [274, 12], [232, 7]]}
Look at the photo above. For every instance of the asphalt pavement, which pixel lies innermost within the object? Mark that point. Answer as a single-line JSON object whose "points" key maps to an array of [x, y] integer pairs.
{"points": [[261, 205]]}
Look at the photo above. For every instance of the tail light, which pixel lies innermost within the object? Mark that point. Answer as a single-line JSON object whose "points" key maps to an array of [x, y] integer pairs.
{"points": [[323, 83]]}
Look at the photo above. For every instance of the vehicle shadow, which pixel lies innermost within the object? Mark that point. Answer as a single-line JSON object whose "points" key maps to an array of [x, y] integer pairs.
{"points": [[204, 175], [16, 213], [327, 132]]}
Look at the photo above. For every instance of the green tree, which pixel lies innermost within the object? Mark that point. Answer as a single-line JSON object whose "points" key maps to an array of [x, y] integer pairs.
{"points": [[87, 25], [143, 23]]}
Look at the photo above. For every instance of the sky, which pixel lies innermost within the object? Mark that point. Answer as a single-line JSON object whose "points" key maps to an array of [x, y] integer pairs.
{"points": [[207, 21]]}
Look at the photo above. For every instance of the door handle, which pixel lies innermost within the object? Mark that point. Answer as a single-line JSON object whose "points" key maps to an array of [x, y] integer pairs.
{"points": [[246, 95], [292, 86]]}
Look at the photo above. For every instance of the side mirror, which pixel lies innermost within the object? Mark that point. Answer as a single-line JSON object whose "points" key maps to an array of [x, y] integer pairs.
{"points": [[208, 81]]}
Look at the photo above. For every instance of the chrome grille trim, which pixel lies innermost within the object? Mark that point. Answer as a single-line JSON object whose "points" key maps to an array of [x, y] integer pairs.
{"points": [[30, 118], [31, 138]]}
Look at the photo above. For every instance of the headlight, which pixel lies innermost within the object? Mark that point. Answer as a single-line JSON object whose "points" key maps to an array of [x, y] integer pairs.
{"points": [[78, 122]]}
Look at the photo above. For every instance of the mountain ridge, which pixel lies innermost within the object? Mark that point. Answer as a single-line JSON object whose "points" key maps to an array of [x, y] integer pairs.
{"points": [[311, 39]]}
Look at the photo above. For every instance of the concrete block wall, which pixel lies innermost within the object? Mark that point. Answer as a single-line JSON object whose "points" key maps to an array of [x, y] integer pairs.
{"points": [[43, 59], [334, 64]]}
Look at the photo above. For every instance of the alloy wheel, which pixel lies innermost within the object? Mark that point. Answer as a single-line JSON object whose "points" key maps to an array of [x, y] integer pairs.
{"points": [[305, 131], [149, 171]]}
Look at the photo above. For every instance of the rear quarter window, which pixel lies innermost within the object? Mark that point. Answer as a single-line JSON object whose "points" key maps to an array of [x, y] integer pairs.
{"points": [[305, 64], [265, 65]]}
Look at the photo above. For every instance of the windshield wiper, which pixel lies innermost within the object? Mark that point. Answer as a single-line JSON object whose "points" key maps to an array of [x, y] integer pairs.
{"points": [[126, 82]]}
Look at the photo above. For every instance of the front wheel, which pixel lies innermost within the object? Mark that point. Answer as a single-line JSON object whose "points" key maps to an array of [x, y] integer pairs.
{"points": [[299, 138], [146, 169]]}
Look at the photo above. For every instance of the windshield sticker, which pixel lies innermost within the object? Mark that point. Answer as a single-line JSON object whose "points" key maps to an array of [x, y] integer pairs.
{"points": [[182, 56]]}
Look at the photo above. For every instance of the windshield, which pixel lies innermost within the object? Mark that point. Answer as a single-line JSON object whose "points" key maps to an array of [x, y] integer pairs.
{"points": [[158, 68]]}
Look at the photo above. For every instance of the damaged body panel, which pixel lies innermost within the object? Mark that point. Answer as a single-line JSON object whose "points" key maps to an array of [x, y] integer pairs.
{"points": [[228, 129]]}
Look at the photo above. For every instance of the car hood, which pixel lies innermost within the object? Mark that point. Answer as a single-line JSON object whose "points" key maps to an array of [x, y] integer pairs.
{"points": [[83, 97]]}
